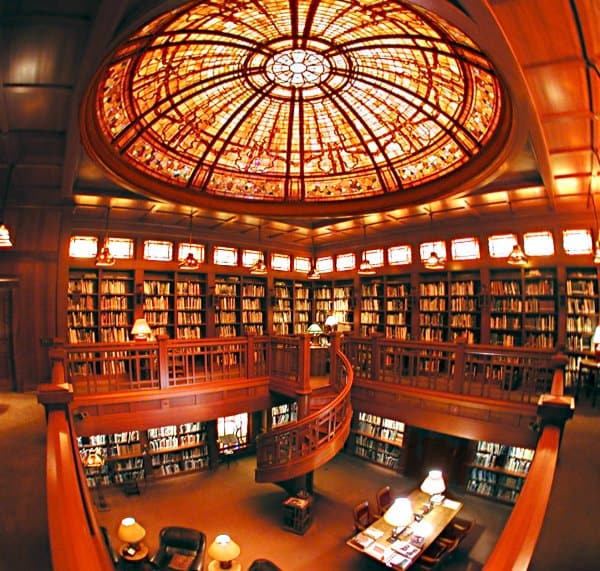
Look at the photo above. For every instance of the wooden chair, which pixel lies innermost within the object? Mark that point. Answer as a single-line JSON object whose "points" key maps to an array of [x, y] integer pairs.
{"points": [[458, 528], [363, 517], [437, 554], [384, 499]]}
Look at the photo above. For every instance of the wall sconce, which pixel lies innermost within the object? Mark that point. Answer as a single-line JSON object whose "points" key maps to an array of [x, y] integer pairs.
{"points": [[224, 550], [141, 330], [131, 533]]}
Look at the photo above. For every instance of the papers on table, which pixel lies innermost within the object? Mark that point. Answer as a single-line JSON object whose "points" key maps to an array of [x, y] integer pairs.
{"points": [[374, 533], [388, 555], [362, 540], [451, 504], [405, 548]]}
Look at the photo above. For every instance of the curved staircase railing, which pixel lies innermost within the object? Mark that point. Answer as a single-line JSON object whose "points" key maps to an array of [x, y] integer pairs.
{"points": [[299, 447]]}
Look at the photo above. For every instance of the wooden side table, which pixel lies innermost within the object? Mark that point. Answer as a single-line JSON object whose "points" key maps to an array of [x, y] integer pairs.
{"points": [[297, 514], [141, 553]]}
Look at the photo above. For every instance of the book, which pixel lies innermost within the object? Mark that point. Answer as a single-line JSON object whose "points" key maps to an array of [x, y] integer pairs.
{"points": [[362, 540]]}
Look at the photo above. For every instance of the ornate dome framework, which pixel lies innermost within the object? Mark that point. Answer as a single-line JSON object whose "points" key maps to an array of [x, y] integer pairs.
{"points": [[247, 105]]}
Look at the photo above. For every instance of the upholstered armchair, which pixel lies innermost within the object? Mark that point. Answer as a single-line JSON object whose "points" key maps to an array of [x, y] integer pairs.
{"points": [[180, 549], [263, 565]]}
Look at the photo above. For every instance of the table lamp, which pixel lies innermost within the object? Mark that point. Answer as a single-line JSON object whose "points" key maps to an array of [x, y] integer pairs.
{"points": [[131, 533], [433, 485], [224, 550], [331, 323], [315, 330], [399, 515], [595, 343], [141, 330]]}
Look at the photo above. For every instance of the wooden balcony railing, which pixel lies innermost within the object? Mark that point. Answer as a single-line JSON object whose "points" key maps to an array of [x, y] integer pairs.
{"points": [[513, 374], [296, 448]]}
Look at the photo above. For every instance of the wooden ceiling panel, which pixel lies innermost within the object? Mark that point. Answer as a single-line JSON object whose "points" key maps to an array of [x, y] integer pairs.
{"points": [[46, 53], [570, 163], [37, 108], [564, 133], [533, 27], [559, 88]]}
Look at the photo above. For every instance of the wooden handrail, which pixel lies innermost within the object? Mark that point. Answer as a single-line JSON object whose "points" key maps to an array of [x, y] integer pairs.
{"points": [[75, 538], [285, 451]]}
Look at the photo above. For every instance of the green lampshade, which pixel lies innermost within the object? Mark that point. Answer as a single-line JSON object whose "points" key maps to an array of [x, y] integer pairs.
{"points": [[314, 329]]}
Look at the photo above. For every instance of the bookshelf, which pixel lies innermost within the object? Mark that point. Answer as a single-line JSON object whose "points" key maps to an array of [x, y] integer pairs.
{"points": [[506, 310], [82, 306], [282, 301], [464, 307], [116, 306], [372, 313], [540, 318], [253, 306], [377, 439], [342, 305], [433, 307], [301, 307], [397, 308], [175, 449], [227, 306], [323, 301], [190, 306], [159, 302], [284, 413], [498, 471]]}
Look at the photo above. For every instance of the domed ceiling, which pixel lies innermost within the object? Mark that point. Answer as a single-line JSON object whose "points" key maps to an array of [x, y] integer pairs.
{"points": [[275, 105]]}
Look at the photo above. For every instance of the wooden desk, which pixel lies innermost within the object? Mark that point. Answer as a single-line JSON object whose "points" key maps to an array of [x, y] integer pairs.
{"points": [[375, 542]]}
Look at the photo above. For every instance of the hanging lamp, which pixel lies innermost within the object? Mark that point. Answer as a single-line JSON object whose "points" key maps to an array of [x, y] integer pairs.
{"points": [[365, 268], [105, 257], [190, 262], [259, 268], [433, 262], [5, 240], [313, 273], [517, 257]]}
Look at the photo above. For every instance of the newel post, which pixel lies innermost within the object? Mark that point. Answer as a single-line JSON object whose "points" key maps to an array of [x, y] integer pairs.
{"points": [[58, 357], [458, 378], [163, 361], [556, 408]]}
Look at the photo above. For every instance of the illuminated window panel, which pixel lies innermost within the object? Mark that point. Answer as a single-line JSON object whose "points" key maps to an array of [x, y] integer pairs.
{"points": [[196, 249], [325, 265], [83, 247], [344, 262], [224, 256], [399, 255], [538, 243], [465, 249], [501, 245], [302, 264], [160, 251], [121, 248], [281, 262], [577, 242], [232, 431], [250, 257], [375, 257], [426, 248]]}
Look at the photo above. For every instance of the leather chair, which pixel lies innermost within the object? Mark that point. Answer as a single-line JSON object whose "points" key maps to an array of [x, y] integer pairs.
{"points": [[363, 517], [437, 554], [180, 548], [458, 528], [263, 565], [384, 500]]}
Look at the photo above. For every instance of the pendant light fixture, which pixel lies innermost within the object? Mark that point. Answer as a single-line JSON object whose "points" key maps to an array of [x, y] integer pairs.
{"points": [[104, 257], [433, 262], [5, 240], [517, 256], [259, 268], [190, 262], [597, 231], [365, 268], [313, 273]]}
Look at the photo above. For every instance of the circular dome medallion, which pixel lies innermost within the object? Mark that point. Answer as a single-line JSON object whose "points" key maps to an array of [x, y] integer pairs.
{"points": [[297, 68], [322, 105]]}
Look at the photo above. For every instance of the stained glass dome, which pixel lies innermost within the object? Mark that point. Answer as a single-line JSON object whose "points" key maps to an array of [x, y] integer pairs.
{"points": [[266, 102]]}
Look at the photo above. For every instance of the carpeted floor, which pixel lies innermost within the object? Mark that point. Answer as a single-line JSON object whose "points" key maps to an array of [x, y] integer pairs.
{"points": [[228, 500]]}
